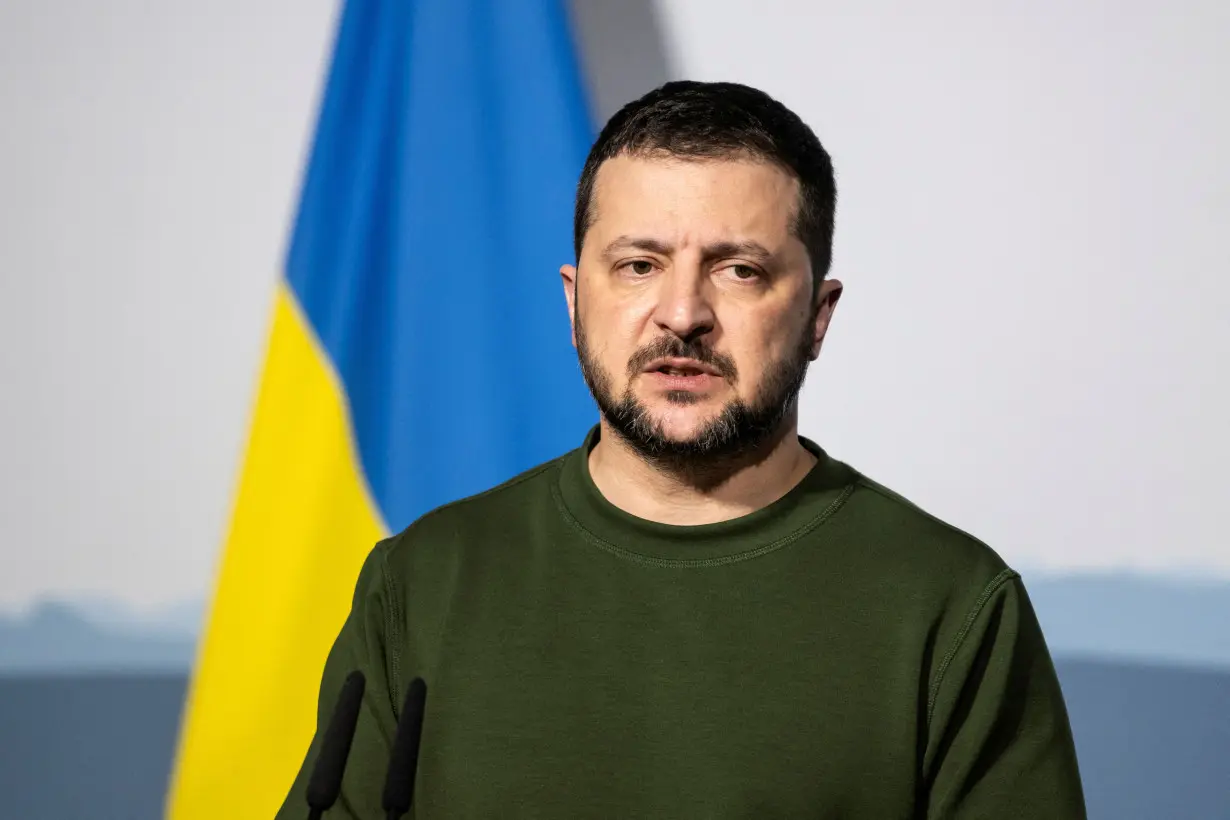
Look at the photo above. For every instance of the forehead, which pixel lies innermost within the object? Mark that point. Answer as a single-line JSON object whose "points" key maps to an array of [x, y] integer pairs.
{"points": [[700, 197]]}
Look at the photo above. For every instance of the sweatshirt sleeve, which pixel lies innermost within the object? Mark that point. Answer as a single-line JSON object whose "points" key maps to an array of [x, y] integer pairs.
{"points": [[364, 644], [999, 743]]}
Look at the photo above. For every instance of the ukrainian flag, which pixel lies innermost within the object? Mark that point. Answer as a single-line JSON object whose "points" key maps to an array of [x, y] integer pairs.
{"points": [[419, 352]]}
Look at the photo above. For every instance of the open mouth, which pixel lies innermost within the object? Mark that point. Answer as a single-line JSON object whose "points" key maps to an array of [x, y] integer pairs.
{"points": [[682, 374], [680, 368], [671, 370]]}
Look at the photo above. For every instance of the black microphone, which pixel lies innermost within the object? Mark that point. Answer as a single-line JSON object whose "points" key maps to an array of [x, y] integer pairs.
{"points": [[326, 781], [404, 759]]}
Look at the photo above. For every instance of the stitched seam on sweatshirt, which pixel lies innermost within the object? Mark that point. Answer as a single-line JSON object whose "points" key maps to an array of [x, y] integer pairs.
{"points": [[689, 563], [897, 498], [392, 625], [998, 581]]}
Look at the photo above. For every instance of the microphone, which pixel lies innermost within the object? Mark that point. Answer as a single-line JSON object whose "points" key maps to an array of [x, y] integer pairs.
{"points": [[403, 760], [326, 781]]}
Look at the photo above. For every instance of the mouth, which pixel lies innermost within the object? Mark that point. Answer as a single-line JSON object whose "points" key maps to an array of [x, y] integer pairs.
{"points": [[681, 374], [681, 368]]}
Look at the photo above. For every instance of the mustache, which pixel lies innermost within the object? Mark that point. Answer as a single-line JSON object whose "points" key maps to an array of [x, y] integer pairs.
{"points": [[665, 347]]}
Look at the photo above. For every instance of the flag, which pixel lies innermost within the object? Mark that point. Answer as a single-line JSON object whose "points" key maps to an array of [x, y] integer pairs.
{"points": [[419, 353]]}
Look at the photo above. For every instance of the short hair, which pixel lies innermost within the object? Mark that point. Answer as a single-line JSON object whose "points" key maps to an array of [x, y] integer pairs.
{"points": [[716, 121]]}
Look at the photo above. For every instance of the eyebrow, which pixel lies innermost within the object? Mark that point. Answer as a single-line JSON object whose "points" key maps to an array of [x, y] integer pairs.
{"points": [[714, 250], [636, 243]]}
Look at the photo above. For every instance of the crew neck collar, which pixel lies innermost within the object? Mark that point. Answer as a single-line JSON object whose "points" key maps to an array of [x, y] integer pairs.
{"points": [[818, 495]]}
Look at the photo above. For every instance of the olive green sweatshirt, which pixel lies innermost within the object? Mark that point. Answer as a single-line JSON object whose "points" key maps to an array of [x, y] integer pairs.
{"points": [[837, 654]]}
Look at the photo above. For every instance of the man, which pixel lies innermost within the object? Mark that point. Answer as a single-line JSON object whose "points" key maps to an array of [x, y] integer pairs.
{"points": [[698, 613]]}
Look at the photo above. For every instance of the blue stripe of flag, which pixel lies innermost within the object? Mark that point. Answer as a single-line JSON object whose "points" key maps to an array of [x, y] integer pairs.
{"points": [[435, 215]]}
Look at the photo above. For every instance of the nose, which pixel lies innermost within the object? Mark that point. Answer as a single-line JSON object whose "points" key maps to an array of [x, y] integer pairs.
{"points": [[683, 306]]}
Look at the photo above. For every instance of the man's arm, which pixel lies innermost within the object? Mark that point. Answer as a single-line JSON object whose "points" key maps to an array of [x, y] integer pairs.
{"points": [[999, 742], [362, 644]]}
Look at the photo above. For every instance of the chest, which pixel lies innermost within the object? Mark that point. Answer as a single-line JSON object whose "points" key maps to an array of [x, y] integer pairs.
{"points": [[684, 700]]}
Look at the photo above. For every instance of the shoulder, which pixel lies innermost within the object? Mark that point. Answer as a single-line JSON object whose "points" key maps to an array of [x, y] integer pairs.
{"points": [[491, 515], [909, 541], [944, 580], [932, 571]]}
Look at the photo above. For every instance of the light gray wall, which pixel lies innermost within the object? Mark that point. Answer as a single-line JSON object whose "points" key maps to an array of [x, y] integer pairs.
{"points": [[149, 158], [1032, 231]]}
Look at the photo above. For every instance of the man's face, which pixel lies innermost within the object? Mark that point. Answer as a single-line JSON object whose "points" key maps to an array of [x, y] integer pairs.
{"points": [[693, 315]]}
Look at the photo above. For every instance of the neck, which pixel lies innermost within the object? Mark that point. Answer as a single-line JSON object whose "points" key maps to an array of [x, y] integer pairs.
{"points": [[699, 494]]}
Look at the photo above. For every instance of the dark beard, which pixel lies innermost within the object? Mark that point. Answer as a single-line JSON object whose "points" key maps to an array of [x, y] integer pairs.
{"points": [[734, 435]]}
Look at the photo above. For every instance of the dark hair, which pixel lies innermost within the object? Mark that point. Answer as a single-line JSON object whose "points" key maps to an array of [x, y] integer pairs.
{"points": [[716, 120]]}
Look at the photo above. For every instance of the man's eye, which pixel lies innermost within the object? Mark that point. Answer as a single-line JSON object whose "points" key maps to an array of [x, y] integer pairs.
{"points": [[744, 271], [640, 267]]}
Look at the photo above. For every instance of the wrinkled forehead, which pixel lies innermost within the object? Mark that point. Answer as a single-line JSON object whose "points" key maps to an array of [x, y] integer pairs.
{"points": [[729, 197]]}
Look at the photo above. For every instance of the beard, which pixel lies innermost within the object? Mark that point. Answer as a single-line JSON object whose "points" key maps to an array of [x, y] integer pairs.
{"points": [[738, 430]]}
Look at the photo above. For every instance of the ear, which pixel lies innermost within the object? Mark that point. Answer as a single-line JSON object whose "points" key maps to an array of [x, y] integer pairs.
{"points": [[826, 303], [569, 274]]}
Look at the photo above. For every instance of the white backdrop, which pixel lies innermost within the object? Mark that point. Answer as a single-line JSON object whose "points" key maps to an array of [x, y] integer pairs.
{"points": [[1032, 232], [150, 155]]}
